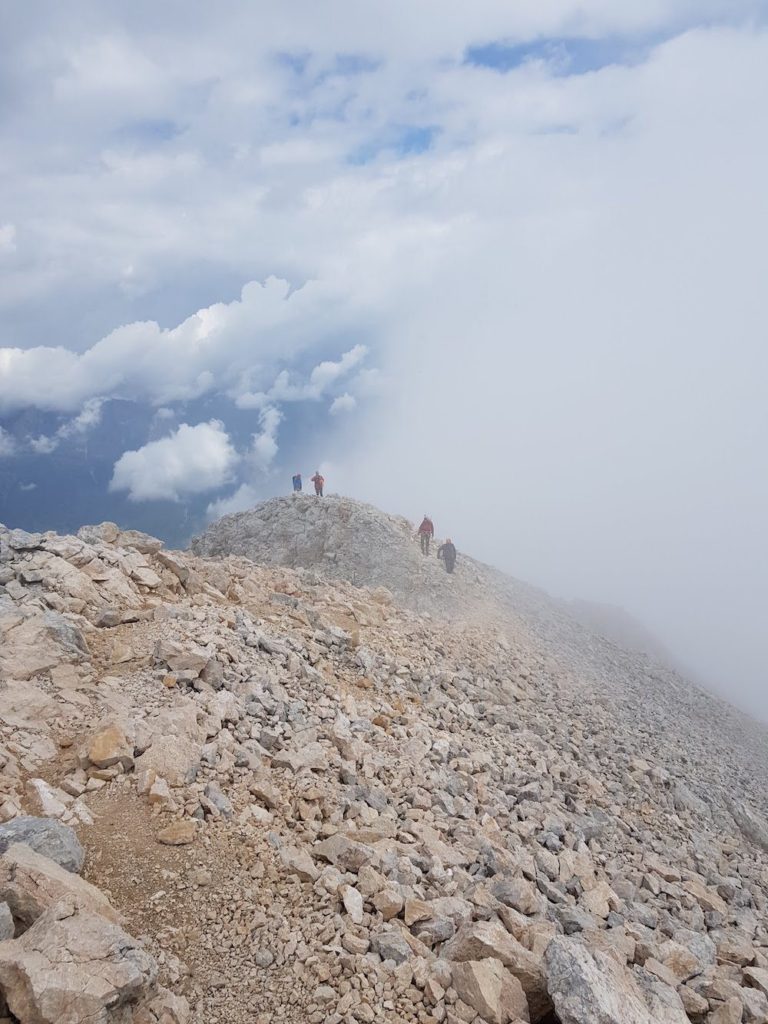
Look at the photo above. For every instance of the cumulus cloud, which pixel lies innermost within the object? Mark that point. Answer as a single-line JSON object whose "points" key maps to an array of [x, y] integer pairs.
{"points": [[192, 460], [43, 445], [320, 381], [245, 497], [264, 448], [209, 351], [343, 403]]}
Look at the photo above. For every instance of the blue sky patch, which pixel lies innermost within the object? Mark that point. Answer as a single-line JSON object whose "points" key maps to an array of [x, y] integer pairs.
{"points": [[567, 56], [402, 140]]}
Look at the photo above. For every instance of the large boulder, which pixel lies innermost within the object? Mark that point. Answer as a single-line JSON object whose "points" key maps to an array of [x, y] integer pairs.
{"points": [[47, 837], [593, 988], [477, 940], [30, 884], [754, 827], [73, 967], [488, 987]]}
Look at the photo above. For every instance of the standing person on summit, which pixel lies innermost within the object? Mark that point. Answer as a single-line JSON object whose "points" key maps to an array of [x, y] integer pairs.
{"points": [[447, 552], [319, 482], [426, 533], [297, 482]]}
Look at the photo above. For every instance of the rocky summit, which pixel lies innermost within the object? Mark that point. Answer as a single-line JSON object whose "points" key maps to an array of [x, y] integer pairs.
{"points": [[301, 774]]}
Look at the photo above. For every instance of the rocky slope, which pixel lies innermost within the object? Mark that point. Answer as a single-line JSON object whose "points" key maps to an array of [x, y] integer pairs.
{"points": [[309, 801]]}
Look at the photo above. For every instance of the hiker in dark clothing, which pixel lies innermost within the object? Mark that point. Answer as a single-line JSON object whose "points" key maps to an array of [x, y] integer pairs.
{"points": [[426, 532], [297, 482], [447, 552]]}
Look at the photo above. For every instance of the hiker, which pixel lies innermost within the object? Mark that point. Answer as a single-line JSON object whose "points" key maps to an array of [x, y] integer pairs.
{"points": [[297, 482], [318, 481], [447, 552], [426, 532]]}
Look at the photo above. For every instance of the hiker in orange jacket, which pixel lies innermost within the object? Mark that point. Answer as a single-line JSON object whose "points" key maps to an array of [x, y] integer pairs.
{"points": [[426, 532], [319, 482]]}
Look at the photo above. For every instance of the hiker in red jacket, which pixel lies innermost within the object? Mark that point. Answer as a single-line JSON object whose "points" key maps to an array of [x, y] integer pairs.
{"points": [[426, 532], [318, 481]]}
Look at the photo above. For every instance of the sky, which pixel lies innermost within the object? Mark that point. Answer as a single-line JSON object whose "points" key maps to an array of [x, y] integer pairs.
{"points": [[504, 264]]}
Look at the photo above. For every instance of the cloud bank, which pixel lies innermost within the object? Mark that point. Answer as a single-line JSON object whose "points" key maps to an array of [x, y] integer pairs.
{"points": [[191, 460]]}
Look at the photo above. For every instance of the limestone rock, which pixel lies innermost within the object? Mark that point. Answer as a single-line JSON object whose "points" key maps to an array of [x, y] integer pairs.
{"points": [[47, 837], [30, 883], [298, 862], [112, 744], [591, 988], [178, 833], [7, 927], [73, 967], [480, 939], [491, 990], [353, 903], [44, 800], [343, 852]]}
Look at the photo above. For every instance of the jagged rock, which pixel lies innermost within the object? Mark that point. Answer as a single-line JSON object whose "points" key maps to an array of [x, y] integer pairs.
{"points": [[757, 977], [591, 988], [219, 800], [44, 800], [7, 927], [353, 903], [49, 838], [264, 791], [298, 862], [344, 853], [751, 824], [175, 746], [481, 939], [162, 1008], [73, 967], [489, 988], [389, 902], [112, 744], [729, 1012], [30, 883], [178, 567], [391, 945]]}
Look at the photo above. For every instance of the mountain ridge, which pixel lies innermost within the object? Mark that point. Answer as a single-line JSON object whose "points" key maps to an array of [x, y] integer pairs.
{"points": [[317, 804]]}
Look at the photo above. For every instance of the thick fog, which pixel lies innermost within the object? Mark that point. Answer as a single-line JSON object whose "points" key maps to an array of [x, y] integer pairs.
{"points": [[505, 266], [579, 374]]}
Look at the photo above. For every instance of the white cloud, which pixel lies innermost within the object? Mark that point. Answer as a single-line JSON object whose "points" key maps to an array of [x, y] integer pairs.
{"points": [[244, 497], [7, 444], [211, 350], [343, 403], [264, 448], [321, 379], [43, 445], [7, 238], [88, 418], [191, 461], [27, 487]]}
